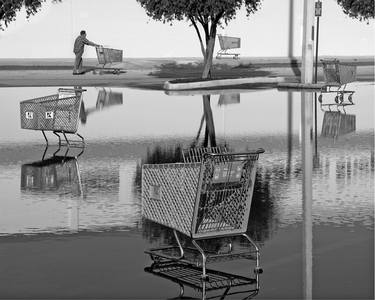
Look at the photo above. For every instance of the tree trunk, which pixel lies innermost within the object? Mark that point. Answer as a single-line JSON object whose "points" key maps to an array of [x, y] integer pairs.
{"points": [[210, 46], [210, 127]]}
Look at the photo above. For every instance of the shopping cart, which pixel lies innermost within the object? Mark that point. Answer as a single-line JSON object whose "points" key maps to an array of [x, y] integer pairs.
{"points": [[336, 76], [203, 198], [58, 113], [108, 58], [227, 43]]}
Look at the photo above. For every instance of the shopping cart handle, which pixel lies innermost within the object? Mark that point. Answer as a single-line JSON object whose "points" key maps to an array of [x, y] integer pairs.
{"points": [[257, 151], [260, 150]]}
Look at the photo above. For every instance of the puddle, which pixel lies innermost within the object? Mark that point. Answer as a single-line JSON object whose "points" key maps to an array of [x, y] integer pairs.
{"points": [[73, 193]]}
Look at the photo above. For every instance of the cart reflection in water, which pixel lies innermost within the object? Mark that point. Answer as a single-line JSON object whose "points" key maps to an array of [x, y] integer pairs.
{"points": [[221, 283], [58, 174], [228, 99], [206, 197], [336, 123], [106, 98]]}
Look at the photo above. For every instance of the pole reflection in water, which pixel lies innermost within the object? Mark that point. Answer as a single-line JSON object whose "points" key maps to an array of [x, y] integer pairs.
{"points": [[57, 174], [290, 131], [307, 196]]}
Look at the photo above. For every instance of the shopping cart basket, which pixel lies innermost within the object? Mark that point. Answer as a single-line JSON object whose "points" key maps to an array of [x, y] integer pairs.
{"points": [[107, 57], [336, 76], [58, 113], [205, 199], [227, 43]]}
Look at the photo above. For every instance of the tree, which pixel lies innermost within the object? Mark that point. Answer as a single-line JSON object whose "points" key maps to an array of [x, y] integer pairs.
{"points": [[362, 10], [204, 15], [10, 8]]}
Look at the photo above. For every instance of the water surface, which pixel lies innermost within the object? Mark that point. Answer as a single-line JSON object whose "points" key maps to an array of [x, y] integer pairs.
{"points": [[98, 191]]}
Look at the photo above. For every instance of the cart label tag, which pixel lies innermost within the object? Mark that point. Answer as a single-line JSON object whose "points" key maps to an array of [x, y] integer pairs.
{"points": [[155, 192], [29, 115], [49, 114]]}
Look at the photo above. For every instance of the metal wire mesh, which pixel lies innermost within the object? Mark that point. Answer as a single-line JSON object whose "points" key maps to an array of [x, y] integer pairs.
{"points": [[51, 113], [191, 155], [225, 197], [228, 42], [338, 73], [206, 199], [108, 55], [168, 194]]}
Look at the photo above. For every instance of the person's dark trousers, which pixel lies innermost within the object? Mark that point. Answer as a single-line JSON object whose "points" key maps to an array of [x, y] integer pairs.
{"points": [[78, 62]]}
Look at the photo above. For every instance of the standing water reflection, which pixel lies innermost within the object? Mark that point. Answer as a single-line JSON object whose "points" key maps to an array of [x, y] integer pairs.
{"points": [[120, 138]]}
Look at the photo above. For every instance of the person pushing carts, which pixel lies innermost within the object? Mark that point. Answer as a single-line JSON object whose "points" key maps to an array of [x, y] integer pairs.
{"points": [[78, 49]]}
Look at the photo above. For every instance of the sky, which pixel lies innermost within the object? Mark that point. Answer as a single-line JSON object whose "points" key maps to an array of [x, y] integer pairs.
{"points": [[123, 24]]}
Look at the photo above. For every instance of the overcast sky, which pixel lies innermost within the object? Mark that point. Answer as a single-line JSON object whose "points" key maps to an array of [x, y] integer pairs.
{"points": [[123, 24]]}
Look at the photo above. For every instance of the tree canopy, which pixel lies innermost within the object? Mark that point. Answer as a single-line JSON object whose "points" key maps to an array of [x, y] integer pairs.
{"points": [[362, 10], [214, 10], [10, 8]]}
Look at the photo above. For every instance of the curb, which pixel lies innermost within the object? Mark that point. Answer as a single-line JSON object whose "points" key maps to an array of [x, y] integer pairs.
{"points": [[220, 83]]}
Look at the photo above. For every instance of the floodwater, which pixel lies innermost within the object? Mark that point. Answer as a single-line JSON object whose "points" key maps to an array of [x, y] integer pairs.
{"points": [[71, 221]]}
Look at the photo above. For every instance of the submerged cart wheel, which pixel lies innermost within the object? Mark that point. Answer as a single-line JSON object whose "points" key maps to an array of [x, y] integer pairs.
{"points": [[350, 98], [337, 99], [341, 98], [320, 98], [258, 270]]}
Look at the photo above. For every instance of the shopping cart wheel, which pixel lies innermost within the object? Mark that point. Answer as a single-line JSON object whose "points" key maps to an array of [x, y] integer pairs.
{"points": [[337, 99], [258, 270], [350, 98], [320, 98]]}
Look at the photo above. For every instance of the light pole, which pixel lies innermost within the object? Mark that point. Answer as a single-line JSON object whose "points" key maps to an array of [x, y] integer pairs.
{"points": [[318, 13], [307, 75]]}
